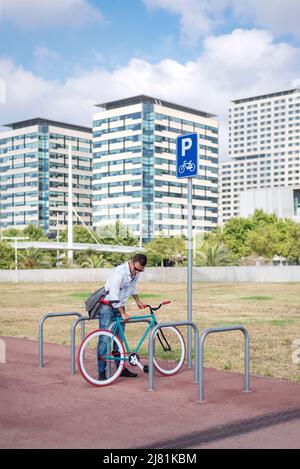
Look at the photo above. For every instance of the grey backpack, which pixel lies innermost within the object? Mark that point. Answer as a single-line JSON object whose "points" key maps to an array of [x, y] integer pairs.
{"points": [[92, 304]]}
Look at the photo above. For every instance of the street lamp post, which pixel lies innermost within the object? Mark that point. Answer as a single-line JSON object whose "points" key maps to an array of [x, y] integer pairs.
{"points": [[70, 207]]}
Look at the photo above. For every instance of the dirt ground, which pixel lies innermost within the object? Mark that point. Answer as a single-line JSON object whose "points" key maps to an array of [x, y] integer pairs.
{"points": [[271, 312]]}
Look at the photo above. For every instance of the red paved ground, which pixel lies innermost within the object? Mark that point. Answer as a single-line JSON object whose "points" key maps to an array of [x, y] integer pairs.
{"points": [[49, 408]]}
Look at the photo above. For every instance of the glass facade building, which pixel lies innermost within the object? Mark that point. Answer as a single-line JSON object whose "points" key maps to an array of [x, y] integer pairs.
{"points": [[34, 174], [134, 167]]}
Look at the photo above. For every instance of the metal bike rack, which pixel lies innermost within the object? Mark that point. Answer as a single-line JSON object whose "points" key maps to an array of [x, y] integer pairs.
{"points": [[41, 332], [82, 321], [151, 348], [247, 356]]}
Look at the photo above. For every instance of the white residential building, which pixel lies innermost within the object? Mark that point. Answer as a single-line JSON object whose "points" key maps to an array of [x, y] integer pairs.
{"points": [[264, 146], [134, 170]]}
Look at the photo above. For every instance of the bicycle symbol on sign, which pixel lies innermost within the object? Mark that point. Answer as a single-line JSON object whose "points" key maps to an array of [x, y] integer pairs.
{"points": [[187, 165]]}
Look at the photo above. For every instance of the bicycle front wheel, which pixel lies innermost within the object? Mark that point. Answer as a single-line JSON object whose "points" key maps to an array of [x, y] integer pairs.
{"points": [[169, 351], [101, 346]]}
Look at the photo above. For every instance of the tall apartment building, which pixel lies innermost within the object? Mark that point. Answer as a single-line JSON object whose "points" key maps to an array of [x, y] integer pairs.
{"points": [[34, 174], [134, 169], [264, 146]]}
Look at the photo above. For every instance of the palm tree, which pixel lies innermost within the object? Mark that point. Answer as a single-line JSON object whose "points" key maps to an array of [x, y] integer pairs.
{"points": [[94, 261], [213, 254], [7, 257], [33, 259]]}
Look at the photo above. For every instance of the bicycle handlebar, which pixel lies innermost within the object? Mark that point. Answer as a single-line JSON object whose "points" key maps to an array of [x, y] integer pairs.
{"points": [[165, 302]]}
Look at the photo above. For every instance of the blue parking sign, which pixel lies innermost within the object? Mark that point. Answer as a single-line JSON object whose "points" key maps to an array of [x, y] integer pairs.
{"points": [[187, 156]]}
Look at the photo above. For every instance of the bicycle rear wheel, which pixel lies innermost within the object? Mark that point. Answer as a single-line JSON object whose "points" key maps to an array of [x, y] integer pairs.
{"points": [[101, 345], [169, 351]]}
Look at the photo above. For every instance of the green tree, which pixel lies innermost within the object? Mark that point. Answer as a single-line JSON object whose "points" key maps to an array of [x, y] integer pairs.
{"points": [[117, 234], [213, 254], [114, 234], [80, 235], [34, 233], [260, 218], [34, 259], [92, 260], [12, 232], [264, 241], [7, 256], [215, 236], [166, 251], [259, 235], [235, 234], [291, 250]]}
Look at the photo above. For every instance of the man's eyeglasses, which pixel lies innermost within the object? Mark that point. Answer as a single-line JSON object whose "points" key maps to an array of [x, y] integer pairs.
{"points": [[137, 269]]}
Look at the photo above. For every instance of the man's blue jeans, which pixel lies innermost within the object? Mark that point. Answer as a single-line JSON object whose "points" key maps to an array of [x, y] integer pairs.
{"points": [[107, 314]]}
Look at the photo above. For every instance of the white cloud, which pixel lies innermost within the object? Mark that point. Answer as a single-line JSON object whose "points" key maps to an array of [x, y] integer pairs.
{"points": [[2, 91], [199, 17], [240, 64], [280, 16], [43, 13], [196, 18], [43, 52], [97, 56]]}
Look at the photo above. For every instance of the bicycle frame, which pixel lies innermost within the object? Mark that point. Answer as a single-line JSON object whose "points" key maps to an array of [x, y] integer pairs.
{"points": [[118, 330]]}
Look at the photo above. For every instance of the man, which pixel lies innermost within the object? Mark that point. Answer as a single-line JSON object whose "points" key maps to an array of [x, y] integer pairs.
{"points": [[120, 285]]}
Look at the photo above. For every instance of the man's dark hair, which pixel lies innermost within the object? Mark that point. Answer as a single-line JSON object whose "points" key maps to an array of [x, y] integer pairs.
{"points": [[141, 258]]}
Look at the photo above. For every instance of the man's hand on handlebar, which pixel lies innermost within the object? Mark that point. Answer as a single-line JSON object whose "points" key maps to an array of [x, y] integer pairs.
{"points": [[139, 302], [125, 316], [123, 313]]}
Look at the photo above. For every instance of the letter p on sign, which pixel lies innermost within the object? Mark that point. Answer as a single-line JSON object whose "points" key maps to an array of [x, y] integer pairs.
{"points": [[186, 145]]}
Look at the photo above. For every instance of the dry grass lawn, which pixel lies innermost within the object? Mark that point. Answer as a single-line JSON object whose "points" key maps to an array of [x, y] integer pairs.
{"points": [[271, 312]]}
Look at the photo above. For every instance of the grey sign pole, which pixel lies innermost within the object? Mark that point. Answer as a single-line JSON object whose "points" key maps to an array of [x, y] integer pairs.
{"points": [[187, 148], [190, 271]]}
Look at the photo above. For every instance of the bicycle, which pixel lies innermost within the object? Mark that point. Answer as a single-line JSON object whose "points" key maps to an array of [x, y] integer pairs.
{"points": [[187, 165], [112, 347]]}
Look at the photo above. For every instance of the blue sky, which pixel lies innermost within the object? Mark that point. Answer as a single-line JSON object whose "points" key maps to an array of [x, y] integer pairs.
{"points": [[129, 29], [60, 57]]}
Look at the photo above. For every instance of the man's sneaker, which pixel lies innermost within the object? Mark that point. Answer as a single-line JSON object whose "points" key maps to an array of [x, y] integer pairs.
{"points": [[101, 376], [128, 374], [146, 369]]}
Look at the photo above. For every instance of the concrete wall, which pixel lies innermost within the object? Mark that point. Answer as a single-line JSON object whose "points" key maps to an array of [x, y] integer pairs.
{"points": [[158, 274]]}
